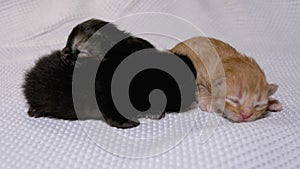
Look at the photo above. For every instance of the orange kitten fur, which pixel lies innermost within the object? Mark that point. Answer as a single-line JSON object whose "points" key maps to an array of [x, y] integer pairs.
{"points": [[227, 80]]}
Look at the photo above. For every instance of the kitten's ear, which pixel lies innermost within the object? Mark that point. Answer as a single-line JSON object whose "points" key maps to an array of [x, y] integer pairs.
{"points": [[272, 89]]}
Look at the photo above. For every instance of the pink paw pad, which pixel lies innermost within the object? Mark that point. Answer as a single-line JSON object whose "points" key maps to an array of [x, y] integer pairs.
{"points": [[206, 107], [275, 107]]}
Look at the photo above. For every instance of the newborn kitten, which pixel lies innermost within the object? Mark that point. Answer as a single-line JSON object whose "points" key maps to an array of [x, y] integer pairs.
{"points": [[246, 90], [48, 85]]}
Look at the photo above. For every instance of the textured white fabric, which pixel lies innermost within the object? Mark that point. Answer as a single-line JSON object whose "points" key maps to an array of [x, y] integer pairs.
{"points": [[266, 30]]}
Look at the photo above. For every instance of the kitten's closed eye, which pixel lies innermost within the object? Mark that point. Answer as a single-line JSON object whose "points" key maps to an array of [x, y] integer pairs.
{"points": [[261, 105], [233, 101]]}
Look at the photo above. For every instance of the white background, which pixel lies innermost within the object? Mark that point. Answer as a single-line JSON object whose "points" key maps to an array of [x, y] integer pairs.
{"points": [[266, 30]]}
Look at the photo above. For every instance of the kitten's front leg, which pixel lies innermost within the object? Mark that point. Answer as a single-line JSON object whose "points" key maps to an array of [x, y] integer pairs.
{"points": [[113, 117], [118, 121], [204, 98]]}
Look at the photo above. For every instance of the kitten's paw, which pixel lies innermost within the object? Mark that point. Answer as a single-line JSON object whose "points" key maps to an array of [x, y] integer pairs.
{"points": [[206, 107], [274, 106], [122, 124], [34, 113], [155, 116]]}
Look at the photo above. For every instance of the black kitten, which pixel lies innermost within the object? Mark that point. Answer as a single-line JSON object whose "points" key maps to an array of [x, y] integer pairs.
{"points": [[48, 85]]}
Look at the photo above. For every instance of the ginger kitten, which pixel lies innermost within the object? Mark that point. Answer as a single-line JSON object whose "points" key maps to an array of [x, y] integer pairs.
{"points": [[228, 81]]}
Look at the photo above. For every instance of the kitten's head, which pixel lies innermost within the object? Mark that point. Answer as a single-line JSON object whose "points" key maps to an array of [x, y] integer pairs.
{"points": [[81, 32], [77, 39], [248, 91]]}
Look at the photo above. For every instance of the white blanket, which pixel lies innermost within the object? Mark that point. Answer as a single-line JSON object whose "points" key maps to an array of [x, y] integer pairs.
{"points": [[266, 30]]}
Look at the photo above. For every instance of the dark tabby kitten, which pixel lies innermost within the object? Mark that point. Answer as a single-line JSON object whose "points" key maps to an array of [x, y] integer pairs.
{"points": [[48, 85]]}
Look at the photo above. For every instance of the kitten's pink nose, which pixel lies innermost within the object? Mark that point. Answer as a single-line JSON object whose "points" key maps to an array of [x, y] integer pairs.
{"points": [[246, 113], [245, 116]]}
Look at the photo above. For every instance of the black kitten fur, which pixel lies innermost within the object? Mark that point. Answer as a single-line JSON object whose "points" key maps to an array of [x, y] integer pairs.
{"points": [[48, 88], [48, 85]]}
